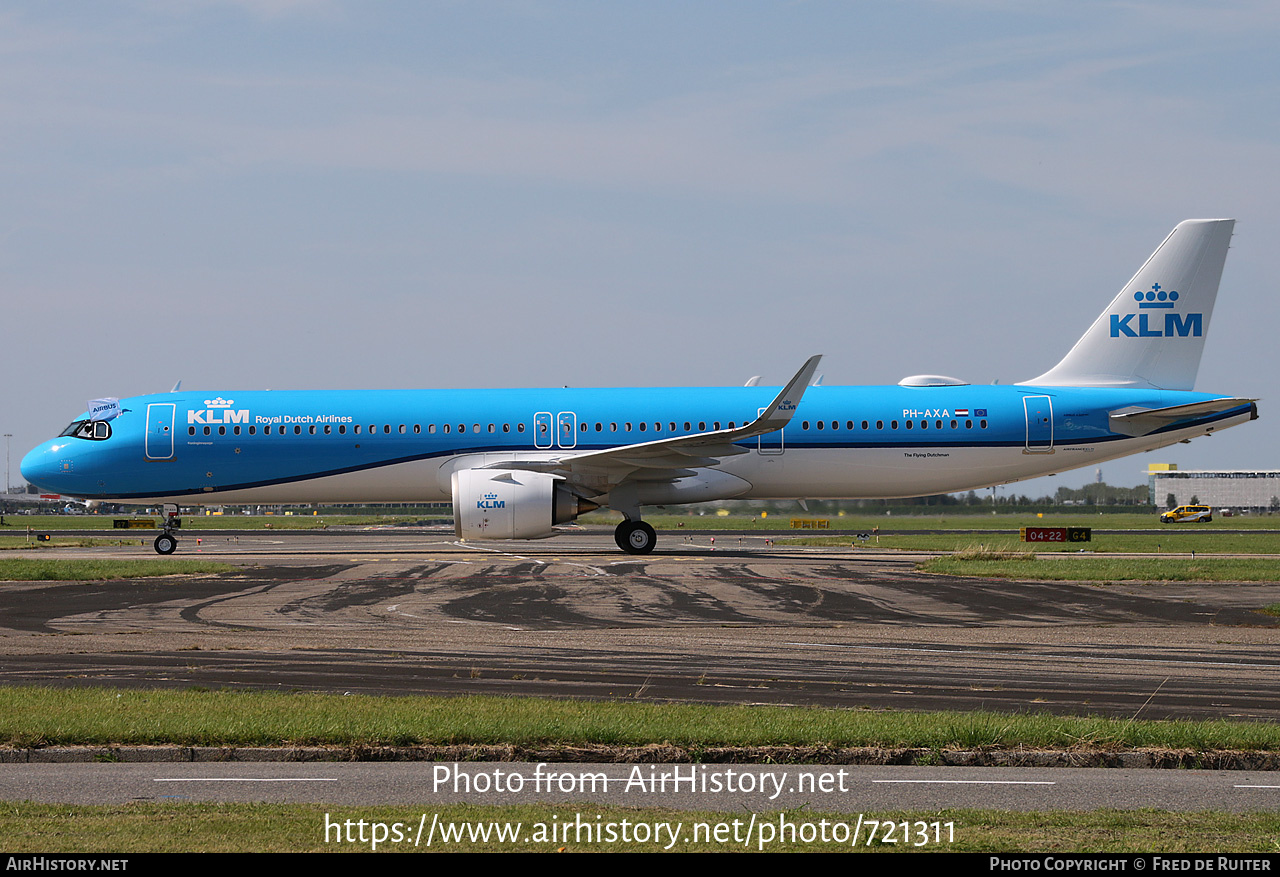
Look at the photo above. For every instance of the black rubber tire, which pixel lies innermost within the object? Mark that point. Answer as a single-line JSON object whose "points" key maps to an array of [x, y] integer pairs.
{"points": [[165, 544], [635, 537]]}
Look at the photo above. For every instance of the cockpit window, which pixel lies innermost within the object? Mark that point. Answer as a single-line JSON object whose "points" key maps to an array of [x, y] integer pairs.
{"points": [[94, 430]]}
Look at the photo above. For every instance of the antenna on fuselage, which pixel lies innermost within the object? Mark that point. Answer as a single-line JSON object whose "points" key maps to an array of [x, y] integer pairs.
{"points": [[177, 386]]}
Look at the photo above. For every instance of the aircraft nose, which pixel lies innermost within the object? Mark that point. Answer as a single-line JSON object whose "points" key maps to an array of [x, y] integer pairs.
{"points": [[43, 466]]}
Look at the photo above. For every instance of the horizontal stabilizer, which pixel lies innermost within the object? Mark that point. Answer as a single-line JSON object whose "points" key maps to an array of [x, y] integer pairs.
{"points": [[1144, 421]]}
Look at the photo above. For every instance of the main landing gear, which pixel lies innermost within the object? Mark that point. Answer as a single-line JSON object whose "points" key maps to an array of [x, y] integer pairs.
{"points": [[635, 537], [167, 541]]}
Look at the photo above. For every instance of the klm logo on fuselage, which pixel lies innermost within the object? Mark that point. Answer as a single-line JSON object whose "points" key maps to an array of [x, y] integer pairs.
{"points": [[1149, 325], [490, 501], [218, 411]]}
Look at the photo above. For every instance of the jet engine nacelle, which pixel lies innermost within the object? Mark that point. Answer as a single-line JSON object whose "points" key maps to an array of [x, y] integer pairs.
{"points": [[507, 504]]}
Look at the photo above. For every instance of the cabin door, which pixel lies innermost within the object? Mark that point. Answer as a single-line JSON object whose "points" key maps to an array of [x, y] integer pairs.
{"points": [[160, 416], [1039, 412], [770, 443]]}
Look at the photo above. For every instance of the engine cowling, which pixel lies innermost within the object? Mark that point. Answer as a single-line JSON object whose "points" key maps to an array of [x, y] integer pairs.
{"points": [[508, 504]]}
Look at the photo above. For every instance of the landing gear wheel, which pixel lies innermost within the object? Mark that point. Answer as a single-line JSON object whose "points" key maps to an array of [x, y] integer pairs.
{"points": [[165, 544], [635, 537]]}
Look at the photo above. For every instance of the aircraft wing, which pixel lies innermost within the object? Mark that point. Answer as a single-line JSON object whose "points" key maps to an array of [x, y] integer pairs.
{"points": [[1144, 421], [669, 458]]}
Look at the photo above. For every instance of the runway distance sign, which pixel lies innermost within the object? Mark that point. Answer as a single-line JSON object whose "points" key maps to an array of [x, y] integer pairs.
{"points": [[1056, 534]]}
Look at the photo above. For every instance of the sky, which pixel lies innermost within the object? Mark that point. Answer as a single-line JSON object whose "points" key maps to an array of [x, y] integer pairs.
{"points": [[252, 194]]}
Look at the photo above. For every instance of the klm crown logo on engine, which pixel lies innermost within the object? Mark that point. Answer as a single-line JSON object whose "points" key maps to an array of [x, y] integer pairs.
{"points": [[491, 501], [1149, 325], [218, 410]]}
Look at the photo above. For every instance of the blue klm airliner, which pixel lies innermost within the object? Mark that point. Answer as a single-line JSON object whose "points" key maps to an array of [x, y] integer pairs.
{"points": [[516, 463]]}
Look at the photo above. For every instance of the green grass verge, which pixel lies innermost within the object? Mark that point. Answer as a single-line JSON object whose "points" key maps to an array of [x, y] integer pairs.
{"points": [[61, 569], [19, 523], [40, 716], [888, 523], [23, 543], [1102, 569], [150, 827]]}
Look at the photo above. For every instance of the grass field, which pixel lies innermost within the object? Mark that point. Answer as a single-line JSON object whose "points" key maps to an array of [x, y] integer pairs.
{"points": [[50, 568], [152, 827], [1204, 568], [39, 716]]}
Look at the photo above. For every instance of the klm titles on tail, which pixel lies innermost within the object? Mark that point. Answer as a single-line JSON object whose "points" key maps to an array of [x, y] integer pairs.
{"points": [[1175, 325]]}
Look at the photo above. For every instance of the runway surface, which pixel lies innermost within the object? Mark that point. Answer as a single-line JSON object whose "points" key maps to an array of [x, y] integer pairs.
{"points": [[417, 613]]}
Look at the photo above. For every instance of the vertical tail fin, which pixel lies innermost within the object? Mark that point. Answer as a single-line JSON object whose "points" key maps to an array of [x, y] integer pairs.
{"points": [[1152, 334]]}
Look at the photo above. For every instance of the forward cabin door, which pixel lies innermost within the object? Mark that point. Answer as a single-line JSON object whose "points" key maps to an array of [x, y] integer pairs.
{"points": [[160, 416]]}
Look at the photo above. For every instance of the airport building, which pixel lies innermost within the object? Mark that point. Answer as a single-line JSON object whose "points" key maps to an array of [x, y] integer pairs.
{"points": [[1257, 490]]}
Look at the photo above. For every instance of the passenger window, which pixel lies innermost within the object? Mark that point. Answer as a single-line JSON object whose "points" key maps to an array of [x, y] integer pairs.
{"points": [[312, 429], [643, 426], [191, 430], [519, 427], [297, 430], [208, 430], [328, 430], [909, 424], [342, 429]]}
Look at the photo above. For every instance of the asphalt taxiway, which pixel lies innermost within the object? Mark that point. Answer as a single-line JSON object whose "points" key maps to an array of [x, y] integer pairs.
{"points": [[395, 612]]}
